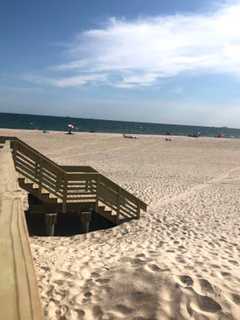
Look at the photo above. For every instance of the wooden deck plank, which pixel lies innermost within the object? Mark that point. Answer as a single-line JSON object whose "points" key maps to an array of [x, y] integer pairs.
{"points": [[19, 297]]}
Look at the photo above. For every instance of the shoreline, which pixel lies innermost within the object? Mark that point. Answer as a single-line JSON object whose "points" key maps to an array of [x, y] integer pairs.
{"points": [[37, 131]]}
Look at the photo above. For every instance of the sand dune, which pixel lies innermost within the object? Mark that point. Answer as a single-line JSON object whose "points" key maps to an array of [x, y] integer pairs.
{"points": [[181, 260]]}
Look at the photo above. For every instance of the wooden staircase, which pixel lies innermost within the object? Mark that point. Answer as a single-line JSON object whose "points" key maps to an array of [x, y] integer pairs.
{"points": [[72, 188]]}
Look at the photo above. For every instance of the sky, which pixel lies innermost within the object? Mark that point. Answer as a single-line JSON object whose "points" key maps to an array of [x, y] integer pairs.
{"points": [[165, 61]]}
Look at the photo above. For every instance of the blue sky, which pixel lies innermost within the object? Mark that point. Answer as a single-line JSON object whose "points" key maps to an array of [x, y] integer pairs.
{"points": [[158, 61]]}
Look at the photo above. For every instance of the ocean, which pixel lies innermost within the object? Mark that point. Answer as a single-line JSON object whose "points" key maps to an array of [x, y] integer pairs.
{"points": [[40, 122]]}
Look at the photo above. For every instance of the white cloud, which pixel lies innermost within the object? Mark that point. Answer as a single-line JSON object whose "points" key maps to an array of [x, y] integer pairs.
{"points": [[139, 52], [133, 79], [79, 80], [70, 81]]}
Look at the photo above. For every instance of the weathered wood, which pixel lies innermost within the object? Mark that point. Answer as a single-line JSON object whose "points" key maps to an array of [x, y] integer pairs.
{"points": [[50, 175], [118, 202], [24, 158], [51, 187], [130, 213], [82, 190], [125, 215], [49, 182], [81, 182], [138, 211], [72, 183], [65, 183], [34, 154], [82, 199], [107, 203], [78, 169], [107, 214], [24, 167], [107, 194], [129, 205], [112, 185], [81, 176], [19, 298]]}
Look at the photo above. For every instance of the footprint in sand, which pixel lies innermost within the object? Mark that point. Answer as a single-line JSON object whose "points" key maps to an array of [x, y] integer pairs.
{"points": [[102, 280], [141, 255], [95, 274], [87, 294], [123, 309], [80, 313], [234, 262], [208, 304], [186, 280], [202, 303], [97, 312], [225, 274], [236, 298], [205, 286], [153, 267]]}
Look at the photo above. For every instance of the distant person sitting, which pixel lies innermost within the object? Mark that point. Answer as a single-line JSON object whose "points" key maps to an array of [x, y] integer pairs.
{"points": [[220, 135], [128, 136], [195, 135]]}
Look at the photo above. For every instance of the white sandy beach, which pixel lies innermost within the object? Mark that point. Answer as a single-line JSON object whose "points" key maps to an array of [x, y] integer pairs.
{"points": [[181, 260]]}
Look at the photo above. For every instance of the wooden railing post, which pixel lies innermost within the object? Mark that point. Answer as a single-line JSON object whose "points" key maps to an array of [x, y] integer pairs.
{"points": [[36, 169], [58, 181], [86, 185], [14, 151], [65, 191], [97, 188], [118, 202], [138, 210], [40, 177]]}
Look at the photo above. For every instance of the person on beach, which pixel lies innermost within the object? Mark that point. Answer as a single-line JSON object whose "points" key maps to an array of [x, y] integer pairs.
{"points": [[70, 128], [129, 136]]}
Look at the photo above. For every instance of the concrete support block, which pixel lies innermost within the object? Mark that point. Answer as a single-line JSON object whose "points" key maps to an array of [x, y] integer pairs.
{"points": [[50, 221], [85, 218]]}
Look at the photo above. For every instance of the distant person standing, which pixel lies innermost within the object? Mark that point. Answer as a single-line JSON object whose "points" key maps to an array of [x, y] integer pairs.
{"points": [[70, 128]]}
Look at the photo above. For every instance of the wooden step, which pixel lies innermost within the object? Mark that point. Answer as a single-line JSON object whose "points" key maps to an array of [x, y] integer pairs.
{"points": [[21, 180], [45, 197], [107, 214], [28, 186], [103, 209]]}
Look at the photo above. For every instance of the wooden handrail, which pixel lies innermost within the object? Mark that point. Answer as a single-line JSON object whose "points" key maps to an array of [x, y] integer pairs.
{"points": [[70, 183], [78, 169], [38, 154], [118, 188]]}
